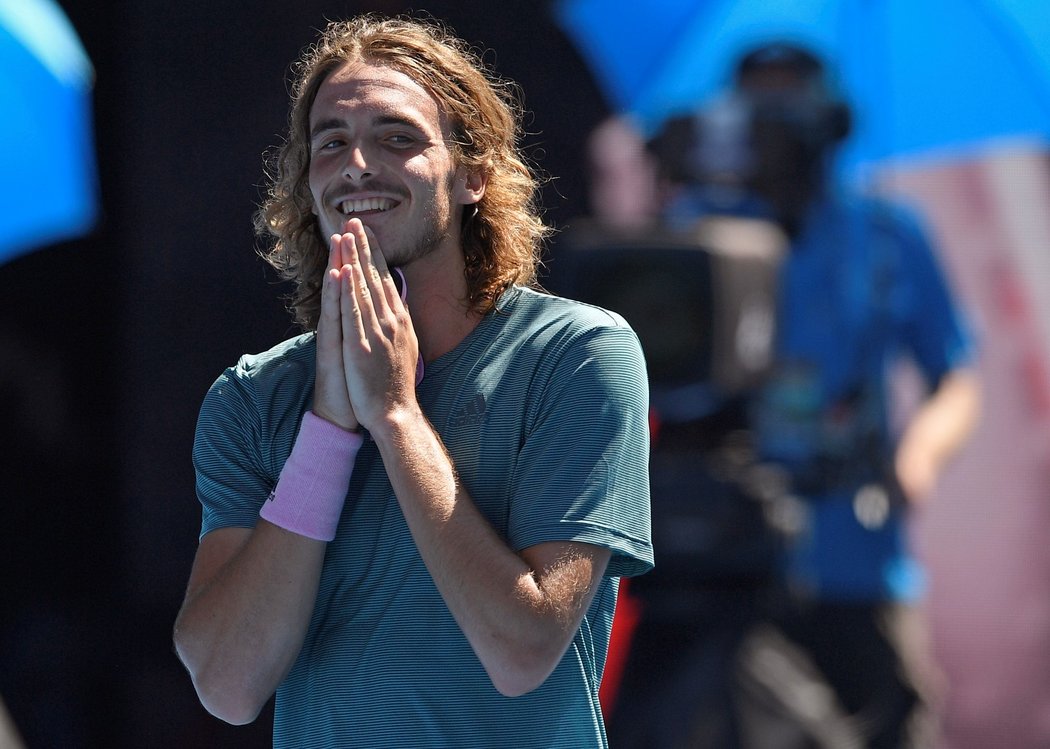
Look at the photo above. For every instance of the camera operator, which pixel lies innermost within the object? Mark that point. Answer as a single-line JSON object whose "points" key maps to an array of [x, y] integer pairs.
{"points": [[859, 287]]}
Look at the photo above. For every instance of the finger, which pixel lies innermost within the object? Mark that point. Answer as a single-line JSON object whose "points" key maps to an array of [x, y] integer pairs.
{"points": [[346, 250], [335, 252], [328, 321], [331, 400], [364, 253], [355, 306], [375, 252], [390, 286], [349, 239], [329, 306], [374, 261], [354, 253], [344, 259]]}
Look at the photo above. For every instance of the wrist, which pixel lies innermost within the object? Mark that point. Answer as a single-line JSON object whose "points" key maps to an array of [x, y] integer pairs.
{"points": [[311, 490], [398, 424], [346, 423]]}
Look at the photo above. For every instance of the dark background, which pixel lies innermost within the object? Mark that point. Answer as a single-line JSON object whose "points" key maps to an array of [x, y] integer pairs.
{"points": [[109, 342]]}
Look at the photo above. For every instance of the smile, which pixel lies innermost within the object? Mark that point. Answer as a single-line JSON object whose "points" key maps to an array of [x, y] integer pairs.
{"points": [[350, 207]]}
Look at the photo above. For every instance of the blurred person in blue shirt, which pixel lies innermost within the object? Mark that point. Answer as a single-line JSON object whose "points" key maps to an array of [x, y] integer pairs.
{"points": [[859, 288]]}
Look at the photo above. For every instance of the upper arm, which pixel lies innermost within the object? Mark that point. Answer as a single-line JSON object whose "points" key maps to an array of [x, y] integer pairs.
{"points": [[938, 330]]}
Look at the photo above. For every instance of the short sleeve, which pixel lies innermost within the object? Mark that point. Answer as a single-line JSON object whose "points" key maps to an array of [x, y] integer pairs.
{"points": [[582, 474], [935, 329], [231, 480]]}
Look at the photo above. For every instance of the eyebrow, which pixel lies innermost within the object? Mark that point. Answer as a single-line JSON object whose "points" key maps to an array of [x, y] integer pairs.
{"points": [[334, 123], [329, 124]]}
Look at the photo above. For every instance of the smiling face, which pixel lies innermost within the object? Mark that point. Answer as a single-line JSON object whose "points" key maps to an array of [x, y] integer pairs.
{"points": [[379, 151]]}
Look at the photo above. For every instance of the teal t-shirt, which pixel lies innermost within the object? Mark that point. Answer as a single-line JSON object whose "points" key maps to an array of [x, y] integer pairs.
{"points": [[543, 409]]}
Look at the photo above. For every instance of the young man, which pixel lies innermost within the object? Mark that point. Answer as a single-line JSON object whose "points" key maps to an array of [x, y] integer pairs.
{"points": [[415, 513]]}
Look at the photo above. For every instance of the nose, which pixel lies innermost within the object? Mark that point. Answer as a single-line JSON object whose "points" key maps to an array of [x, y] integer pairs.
{"points": [[357, 166]]}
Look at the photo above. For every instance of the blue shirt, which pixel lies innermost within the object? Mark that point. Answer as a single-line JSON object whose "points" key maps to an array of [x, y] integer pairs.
{"points": [[859, 289]]}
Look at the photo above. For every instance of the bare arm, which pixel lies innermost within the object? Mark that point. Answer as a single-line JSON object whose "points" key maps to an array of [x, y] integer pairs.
{"points": [[252, 591], [518, 611], [937, 432], [247, 607]]}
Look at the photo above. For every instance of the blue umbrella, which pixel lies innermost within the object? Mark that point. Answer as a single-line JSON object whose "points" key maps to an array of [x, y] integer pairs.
{"points": [[924, 77], [49, 182]]}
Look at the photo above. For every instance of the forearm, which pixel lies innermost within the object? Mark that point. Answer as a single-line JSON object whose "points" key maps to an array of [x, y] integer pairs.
{"points": [[937, 432], [242, 626], [518, 617]]}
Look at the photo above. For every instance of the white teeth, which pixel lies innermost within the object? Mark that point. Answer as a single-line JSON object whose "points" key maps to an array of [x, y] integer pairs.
{"points": [[368, 204]]}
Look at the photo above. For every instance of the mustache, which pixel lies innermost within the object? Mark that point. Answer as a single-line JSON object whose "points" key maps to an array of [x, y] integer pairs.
{"points": [[341, 193]]}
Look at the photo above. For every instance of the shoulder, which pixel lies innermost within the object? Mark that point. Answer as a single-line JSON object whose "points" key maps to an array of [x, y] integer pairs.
{"points": [[281, 372], [558, 339], [562, 331], [255, 405], [286, 354], [534, 306], [889, 215]]}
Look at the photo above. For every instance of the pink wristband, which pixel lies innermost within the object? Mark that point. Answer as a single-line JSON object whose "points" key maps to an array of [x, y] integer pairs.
{"points": [[309, 495]]}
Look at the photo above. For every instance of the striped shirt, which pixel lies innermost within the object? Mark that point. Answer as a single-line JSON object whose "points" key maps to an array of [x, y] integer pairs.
{"points": [[543, 409]]}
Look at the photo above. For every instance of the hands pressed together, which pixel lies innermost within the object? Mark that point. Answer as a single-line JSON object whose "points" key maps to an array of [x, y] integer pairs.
{"points": [[367, 349]]}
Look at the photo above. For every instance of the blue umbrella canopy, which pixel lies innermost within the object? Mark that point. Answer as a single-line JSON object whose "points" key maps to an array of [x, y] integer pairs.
{"points": [[49, 187], [927, 77]]}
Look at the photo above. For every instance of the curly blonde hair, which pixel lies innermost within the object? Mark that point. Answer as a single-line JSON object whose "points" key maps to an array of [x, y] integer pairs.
{"points": [[502, 241]]}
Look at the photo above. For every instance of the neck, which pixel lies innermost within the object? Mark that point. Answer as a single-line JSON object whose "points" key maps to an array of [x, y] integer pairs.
{"points": [[437, 301]]}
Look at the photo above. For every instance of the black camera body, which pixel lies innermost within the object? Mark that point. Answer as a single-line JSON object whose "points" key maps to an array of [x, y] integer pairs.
{"points": [[702, 301], [703, 304]]}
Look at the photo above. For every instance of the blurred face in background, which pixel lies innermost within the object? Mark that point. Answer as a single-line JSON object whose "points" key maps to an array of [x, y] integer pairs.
{"points": [[789, 136], [623, 176]]}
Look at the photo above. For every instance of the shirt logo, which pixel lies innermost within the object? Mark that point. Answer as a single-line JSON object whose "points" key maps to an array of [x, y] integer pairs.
{"points": [[471, 413]]}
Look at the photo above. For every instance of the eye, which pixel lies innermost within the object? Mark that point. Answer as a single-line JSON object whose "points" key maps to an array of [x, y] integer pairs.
{"points": [[329, 144]]}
